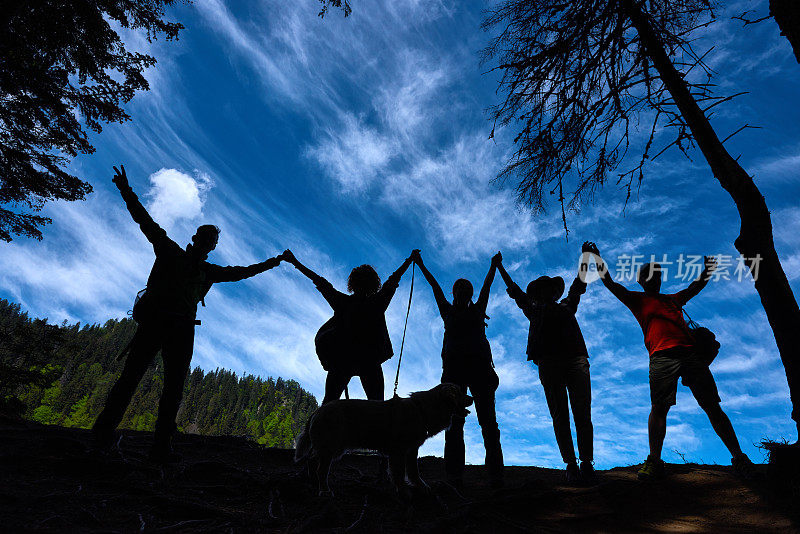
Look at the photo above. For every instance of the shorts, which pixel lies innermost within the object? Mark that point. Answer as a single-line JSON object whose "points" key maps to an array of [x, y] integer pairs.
{"points": [[669, 364]]}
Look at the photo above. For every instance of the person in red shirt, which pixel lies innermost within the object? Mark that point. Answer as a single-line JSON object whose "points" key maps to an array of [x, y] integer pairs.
{"points": [[672, 356]]}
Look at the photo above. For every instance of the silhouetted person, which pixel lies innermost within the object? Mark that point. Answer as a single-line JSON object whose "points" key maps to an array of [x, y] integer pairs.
{"points": [[467, 362], [672, 356], [556, 346], [363, 342], [179, 279]]}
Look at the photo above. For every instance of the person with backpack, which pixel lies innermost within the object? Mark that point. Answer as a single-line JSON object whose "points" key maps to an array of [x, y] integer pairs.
{"points": [[467, 362], [355, 342], [165, 313], [556, 346], [673, 354]]}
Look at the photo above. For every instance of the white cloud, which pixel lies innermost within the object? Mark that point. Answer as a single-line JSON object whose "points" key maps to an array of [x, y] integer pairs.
{"points": [[174, 195], [353, 156], [406, 102], [88, 268]]}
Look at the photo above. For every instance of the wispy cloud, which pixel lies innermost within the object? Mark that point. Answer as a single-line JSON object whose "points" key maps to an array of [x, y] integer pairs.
{"points": [[354, 156]]}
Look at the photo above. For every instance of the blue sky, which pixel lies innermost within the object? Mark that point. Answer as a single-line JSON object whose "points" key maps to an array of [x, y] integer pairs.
{"points": [[355, 140]]}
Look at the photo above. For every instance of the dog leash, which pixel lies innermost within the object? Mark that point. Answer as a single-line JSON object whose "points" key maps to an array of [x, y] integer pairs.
{"points": [[403, 342]]}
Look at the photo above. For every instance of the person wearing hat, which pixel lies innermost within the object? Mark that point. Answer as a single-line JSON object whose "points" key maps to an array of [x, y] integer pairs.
{"points": [[556, 346]]}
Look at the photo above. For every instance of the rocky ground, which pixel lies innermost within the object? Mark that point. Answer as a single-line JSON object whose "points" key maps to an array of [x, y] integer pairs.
{"points": [[52, 481]]}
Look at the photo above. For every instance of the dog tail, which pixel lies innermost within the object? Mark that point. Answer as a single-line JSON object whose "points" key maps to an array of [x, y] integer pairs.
{"points": [[302, 445]]}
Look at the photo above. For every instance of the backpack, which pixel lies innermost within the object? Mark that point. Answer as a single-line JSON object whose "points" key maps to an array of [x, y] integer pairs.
{"points": [[705, 342], [330, 342], [144, 307]]}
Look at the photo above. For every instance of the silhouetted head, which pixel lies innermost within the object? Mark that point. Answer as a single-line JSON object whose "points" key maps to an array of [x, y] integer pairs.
{"points": [[462, 292], [650, 278], [205, 239], [363, 281], [546, 289]]}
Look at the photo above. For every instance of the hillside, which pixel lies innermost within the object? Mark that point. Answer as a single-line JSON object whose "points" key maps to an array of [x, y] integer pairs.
{"points": [[51, 482], [61, 375]]}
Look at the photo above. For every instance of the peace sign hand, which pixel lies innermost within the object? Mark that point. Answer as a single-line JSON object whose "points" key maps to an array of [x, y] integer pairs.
{"points": [[120, 179]]}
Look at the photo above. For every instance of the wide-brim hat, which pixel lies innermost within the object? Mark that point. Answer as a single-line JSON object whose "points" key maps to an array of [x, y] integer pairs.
{"points": [[546, 287]]}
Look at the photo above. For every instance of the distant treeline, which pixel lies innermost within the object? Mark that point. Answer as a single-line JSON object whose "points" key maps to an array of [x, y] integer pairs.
{"points": [[61, 374]]}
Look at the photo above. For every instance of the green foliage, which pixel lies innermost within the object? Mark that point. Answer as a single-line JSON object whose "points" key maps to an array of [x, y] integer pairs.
{"points": [[62, 375], [45, 413], [63, 67], [80, 416]]}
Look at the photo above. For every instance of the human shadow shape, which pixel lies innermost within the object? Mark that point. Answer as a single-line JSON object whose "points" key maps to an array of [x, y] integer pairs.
{"points": [[355, 341], [467, 362], [396, 428], [674, 354], [166, 315], [557, 347]]}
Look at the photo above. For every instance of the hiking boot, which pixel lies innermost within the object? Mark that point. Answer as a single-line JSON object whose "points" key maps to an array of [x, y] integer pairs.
{"points": [[572, 473], [587, 472], [743, 467], [652, 469]]}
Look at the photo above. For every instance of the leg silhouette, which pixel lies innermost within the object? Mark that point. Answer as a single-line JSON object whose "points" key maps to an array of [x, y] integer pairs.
{"points": [[484, 398], [145, 345], [372, 382], [580, 399], [454, 452], [177, 356], [335, 383], [554, 383], [723, 427]]}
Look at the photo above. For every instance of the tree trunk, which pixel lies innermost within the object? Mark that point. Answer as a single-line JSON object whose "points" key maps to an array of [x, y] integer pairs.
{"points": [[755, 234], [787, 14]]}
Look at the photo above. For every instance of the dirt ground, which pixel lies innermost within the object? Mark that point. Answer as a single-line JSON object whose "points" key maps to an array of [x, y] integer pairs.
{"points": [[52, 481]]}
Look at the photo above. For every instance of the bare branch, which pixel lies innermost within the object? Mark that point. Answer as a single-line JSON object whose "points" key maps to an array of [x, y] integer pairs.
{"points": [[576, 83], [739, 130], [746, 21]]}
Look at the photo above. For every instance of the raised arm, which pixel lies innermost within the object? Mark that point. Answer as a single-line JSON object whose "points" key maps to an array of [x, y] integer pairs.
{"points": [[151, 230], [217, 273], [438, 294], [578, 286], [289, 257], [390, 285], [683, 296], [511, 286], [327, 290], [531, 311], [573, 298], [483, 296], [618, 290]]}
